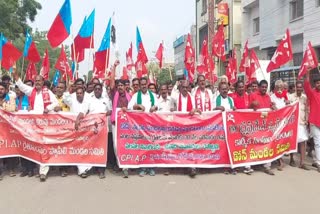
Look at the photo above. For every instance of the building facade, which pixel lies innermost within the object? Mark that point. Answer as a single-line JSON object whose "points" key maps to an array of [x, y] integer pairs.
{"points": [[179, 46], [265, 23], [207, 21]]}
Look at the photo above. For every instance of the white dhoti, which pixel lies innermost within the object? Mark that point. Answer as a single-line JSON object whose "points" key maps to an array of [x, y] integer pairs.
{"points": [[303, 134], [315, 131], [43, 170], [83, 169], [114, 142]]}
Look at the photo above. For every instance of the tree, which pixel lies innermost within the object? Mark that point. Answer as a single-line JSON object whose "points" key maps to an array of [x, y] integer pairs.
{"points": [[162, 75], [14, 16], [40, 38]]}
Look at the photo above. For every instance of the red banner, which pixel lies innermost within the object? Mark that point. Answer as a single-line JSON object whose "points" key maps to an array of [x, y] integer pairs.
{"points": [[171, 140], [261, 137], [52, 140]]}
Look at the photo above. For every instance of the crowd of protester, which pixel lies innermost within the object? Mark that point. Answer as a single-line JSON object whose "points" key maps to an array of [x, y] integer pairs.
{"points": [[96, 96]]}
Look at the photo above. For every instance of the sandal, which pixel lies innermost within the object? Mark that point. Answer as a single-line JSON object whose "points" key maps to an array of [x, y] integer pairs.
{"points": [[303, 166]]}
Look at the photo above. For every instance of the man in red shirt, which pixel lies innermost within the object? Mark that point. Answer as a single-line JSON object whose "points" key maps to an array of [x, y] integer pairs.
{"points": [[314, 119], [261, 100], [241, 101], [255, 86], [240, 97]]}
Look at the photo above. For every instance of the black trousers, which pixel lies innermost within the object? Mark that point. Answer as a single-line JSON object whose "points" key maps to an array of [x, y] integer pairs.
{"points": [[27, 165], [111, 159]]}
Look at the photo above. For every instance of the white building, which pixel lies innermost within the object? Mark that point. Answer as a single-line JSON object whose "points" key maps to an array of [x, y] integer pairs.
{"points": [[264, 23]]}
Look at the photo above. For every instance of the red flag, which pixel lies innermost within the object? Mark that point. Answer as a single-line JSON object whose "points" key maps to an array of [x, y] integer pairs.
{"points": [[33, 54], [283, 53], [232, 68], [218, 45], [142, 59], [61, 26], [141, 69], [159, 55], [45, 68], [77, 54], [211, 74], [310, 61], [142, 56], [125, 73], [10, 54], [189, 59], [31, 72], [254, 66], [129, 58], [62, 64], [245, 61], [99, 73], [202, 68], [101, 61]]}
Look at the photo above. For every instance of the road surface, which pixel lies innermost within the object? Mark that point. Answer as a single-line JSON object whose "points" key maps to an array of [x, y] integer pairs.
{"points": [[290, 191]]}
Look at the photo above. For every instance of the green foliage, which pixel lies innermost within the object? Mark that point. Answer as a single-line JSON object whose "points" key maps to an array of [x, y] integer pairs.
{"points": [[40, 38], [14, 16], [162, 75]]}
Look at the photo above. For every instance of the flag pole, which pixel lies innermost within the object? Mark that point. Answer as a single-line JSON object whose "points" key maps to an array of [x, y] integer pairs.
{"points": [[74, 54], [264, 77], [107, 62], [219, 65], [294, 80], [22, 67], [90, 54]]}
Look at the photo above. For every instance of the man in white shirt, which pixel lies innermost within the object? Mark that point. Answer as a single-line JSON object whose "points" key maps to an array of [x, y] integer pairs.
{"points": [[223, 101], [79, 106], [164, 101], [203, 97], [42, 101], [223, 79], [100, 104], [279, 96], [37, 95], [146, 101], [183, 102], [303, 134], [164, 104], [280, 100]]}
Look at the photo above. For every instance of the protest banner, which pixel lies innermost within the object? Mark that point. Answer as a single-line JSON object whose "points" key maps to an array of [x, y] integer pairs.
{"points": [[170, 140], [52, 139], [261, 137]]}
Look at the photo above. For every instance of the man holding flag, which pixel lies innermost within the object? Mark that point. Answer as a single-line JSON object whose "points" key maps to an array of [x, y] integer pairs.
{"points": [[313, 95]]}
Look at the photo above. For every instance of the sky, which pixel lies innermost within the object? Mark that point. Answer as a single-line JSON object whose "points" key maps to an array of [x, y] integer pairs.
{"points": [[158, 20]]}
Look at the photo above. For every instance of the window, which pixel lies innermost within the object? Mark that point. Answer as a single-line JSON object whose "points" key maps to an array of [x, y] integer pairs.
{"points": [[297, 59], [296, 9], [256, 25], [317, 3], [204, 7]]}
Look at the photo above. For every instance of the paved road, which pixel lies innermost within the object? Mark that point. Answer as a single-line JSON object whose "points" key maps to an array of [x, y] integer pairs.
{"points": [[291, 191]]}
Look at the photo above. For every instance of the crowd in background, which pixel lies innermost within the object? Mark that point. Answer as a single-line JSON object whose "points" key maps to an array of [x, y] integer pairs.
{"points": [[97, 96]]}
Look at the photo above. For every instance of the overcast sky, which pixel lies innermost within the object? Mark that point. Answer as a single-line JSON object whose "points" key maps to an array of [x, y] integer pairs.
{"points": [[157, 20]]}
